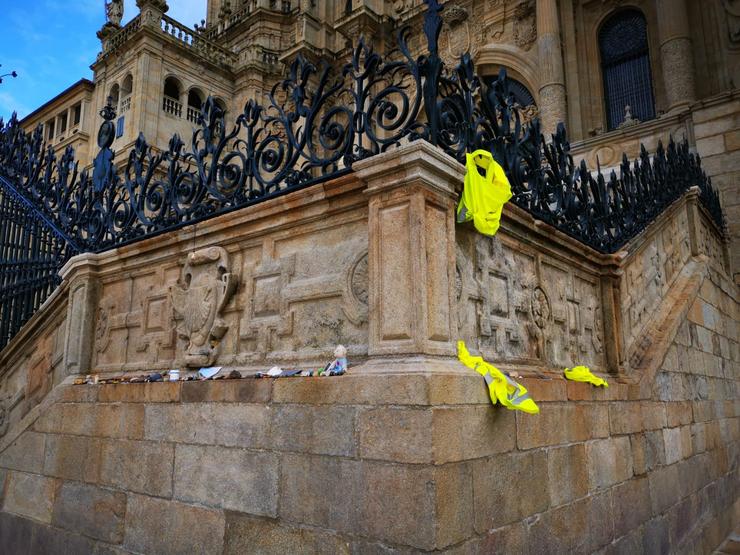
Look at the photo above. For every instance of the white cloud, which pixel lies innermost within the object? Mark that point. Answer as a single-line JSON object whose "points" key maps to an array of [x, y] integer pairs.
{"points": [[10, 104], [187, 12]]}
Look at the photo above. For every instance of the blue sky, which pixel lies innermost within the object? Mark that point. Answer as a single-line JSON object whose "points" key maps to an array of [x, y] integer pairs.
{"points": [[51, 44]]}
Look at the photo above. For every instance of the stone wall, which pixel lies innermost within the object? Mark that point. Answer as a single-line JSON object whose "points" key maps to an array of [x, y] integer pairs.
{"points": [[717, 132], [405, 454]]}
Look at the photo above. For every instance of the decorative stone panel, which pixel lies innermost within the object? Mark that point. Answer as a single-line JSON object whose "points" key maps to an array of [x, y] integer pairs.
{"points": [[523, 307], [198, 301]]}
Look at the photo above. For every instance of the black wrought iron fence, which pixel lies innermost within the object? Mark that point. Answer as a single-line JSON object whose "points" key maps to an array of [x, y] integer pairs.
{"points": [[31, 254], [314, 125]]}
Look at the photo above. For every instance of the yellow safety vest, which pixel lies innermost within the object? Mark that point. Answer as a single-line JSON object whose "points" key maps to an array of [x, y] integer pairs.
{"points": [[483, 197], [501, 388]]}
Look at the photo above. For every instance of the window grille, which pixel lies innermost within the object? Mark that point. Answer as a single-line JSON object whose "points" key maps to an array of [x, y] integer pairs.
{"points": [[119, 127], [625, 65]]}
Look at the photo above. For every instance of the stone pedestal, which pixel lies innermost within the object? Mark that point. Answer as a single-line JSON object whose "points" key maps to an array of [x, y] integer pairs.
{"points": [[84, 291], [553, 107], [411, 223], [676, 53], [152, 11]]}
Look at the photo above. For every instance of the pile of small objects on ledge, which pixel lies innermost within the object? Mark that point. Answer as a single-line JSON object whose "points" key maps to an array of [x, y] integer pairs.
{"points": [[337, 367]]}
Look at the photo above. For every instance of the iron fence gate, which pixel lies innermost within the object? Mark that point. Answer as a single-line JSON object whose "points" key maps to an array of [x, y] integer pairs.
{"points": [[31, 255]]}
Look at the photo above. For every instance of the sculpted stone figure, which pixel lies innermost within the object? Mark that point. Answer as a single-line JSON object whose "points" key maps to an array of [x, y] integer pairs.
{"points": [[114, 11], [198, 301]]}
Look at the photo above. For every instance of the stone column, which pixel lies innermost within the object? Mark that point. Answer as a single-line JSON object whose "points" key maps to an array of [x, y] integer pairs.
{"points": [[411, 221], [553, 108], [84, 290], [676, 53]]}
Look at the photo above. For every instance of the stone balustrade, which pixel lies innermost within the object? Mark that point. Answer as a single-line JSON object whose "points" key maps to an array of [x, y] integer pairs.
{"points": [[172, 106], [120, 38], [125, 105]]}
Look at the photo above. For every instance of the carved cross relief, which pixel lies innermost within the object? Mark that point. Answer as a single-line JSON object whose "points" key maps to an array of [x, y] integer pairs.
{"points": [[529, 310], [272, 290]]}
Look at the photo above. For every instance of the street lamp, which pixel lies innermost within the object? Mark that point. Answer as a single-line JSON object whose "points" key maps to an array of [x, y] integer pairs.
{"points": [[11, 74]]}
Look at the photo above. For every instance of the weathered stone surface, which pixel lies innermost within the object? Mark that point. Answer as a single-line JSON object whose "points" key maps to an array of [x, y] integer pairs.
{"points": [[396, 434], [609, 461], [26, 453], [638, 447], [228, 424], [318, 430], [3, 479], [503, 541], [626, 545], [678, 414], [53, 541], [561, 530], [567, 471], [354, 390], [15, 533], [453, 504], [270, 537], [91, 511], [407, 516], [672, 440], [227, 391], [352, 496], [584, 421], [462, 433], [631, 505], [77, 394], [30, 495], [161, 392], [655, 537], [450, 389], [160, 526], [625, 418], [138, 466], [124, 420], [653, 415], [227, 478], [72, 457], [663, 488], [499, 479], [322, 491]]}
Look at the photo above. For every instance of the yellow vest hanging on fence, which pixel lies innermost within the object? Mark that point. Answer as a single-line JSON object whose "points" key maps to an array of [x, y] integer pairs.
{"points": [[483, 197]]}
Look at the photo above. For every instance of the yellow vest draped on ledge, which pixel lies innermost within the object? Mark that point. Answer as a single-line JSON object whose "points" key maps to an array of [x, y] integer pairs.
{"points": [[501, 387]]}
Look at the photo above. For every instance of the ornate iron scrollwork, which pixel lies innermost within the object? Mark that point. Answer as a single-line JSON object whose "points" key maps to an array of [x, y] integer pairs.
{"points": [[314, 125]]}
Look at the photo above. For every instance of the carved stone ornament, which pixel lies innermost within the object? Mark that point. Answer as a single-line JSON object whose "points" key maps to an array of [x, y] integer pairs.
{"points": [[732, 11], [114, 11], [198, 302], [525, 25], [541, 311], [4, 419], [460, 34], [359, 280]]}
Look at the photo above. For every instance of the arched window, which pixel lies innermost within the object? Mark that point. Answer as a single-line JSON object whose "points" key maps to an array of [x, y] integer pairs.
{"points": [[195, 102], [115, 93], [221, 104], [171, 100], [625, 64], [172, 88], [127, 88], [517, 89]]}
